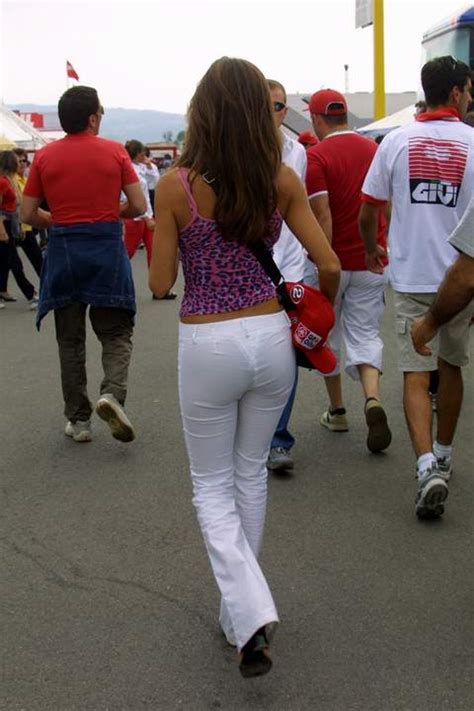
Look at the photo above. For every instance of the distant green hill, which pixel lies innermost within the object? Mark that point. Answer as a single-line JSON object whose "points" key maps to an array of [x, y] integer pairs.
{"points": [[122, 124]]}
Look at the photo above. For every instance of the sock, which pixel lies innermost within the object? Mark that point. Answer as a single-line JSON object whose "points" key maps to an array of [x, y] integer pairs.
{"points": [[338, 411], [442, 450], [424, 462], [371, 402]]}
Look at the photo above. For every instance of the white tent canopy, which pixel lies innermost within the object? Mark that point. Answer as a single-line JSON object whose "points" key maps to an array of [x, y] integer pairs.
{"points": [[18, 131], [386, 124]]}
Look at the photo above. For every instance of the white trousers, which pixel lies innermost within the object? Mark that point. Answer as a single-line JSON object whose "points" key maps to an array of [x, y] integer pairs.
{"points": [[235, 378], [359, 308]]}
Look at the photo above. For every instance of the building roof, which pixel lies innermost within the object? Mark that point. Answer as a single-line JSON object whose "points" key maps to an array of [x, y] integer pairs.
{"points": [[388, 123], [360, 104]]}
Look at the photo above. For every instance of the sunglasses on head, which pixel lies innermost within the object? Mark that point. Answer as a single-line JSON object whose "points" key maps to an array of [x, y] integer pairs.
{"points": [[278, 106]]}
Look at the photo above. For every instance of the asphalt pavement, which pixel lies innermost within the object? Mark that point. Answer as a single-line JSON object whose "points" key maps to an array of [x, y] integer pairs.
{"points": [[107, 598]]}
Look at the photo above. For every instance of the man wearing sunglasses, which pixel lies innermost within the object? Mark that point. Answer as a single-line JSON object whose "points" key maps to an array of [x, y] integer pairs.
{"points": [[290, 259], [426, 170]]}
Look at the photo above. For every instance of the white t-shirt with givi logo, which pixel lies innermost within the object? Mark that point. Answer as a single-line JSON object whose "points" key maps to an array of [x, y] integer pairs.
{"points": [[426, 169]]}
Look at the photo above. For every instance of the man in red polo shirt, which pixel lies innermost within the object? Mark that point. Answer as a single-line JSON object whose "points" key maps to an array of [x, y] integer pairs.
{"points": [[81, 177], [336, 170]]}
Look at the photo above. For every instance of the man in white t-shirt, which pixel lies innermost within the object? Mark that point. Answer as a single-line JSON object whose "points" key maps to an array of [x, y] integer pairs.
{"points": [[426, 170], [290, 258]]}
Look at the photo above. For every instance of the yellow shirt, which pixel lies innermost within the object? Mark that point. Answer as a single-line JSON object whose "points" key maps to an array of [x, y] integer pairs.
{"points": [[20, 180]]}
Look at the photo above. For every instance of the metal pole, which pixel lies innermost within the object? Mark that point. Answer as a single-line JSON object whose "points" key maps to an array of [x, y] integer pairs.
{"points": [[379, 61]]}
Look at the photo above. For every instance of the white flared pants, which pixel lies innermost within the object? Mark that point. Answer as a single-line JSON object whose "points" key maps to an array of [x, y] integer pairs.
{"points": [[235, 378]]}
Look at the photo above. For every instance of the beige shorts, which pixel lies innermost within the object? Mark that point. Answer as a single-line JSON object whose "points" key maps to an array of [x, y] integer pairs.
{"points": [[451, 343]]}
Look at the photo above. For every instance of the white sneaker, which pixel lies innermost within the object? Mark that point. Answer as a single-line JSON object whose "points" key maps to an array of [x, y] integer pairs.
{"points": [[431, 495], [2, 305], [110, 410], [336, 422], [79, 431], [33, 303], [445, 468]]}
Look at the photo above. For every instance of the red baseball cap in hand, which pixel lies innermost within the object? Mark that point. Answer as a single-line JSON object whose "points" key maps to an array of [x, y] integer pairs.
{"points": [[308, 138], [311, 322]]}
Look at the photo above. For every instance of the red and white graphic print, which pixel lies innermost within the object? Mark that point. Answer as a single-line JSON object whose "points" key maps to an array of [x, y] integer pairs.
{"points": [[436, 170], [306, 338]]}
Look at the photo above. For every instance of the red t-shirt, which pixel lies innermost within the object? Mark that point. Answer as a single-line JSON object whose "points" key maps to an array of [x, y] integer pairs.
{"points": [[81, 177], [8, 195], [338, 166]]}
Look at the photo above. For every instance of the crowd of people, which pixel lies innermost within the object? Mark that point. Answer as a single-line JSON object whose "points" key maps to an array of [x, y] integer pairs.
{"points": [[15, 235], [320, 211]]}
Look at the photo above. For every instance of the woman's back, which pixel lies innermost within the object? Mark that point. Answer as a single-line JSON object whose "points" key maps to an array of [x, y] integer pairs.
{"points": [[221, 275]]}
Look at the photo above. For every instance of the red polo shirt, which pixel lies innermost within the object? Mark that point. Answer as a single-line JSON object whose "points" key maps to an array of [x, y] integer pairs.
{"points": [[337, 166], [81, 177], [7, 194]]}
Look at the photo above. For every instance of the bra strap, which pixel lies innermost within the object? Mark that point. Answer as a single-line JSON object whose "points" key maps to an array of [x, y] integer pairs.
{"points": [[184, 177]]}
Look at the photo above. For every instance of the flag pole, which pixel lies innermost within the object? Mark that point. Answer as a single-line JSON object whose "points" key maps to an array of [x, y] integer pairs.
{"points": [[379, 65]]}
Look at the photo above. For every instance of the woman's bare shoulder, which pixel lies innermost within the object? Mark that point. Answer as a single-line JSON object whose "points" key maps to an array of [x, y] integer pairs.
{"points": [[288, 187], [170, 187], [287, 180]]}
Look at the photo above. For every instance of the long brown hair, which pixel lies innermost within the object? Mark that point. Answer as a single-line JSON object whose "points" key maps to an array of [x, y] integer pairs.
{"points": [[233, 138]]}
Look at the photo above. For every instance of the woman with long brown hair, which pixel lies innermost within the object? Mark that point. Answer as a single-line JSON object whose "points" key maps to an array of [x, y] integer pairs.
{"points": [[229, 194]]}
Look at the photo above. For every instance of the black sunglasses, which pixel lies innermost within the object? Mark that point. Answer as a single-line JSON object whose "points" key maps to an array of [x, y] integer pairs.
{"points": [[278, 106]]}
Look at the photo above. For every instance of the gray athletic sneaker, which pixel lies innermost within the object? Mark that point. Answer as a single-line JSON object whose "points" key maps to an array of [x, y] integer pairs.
{"points": [[432, 493], [111, 411], [445, 468], [79, 431], [279, 459]]}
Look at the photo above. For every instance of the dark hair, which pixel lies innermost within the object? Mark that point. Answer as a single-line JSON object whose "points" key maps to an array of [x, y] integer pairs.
{"points": [[339, 120], [8, 163], [233, 137], [439, 76], [274, 84], [469, 118], [20, 152], [378, 139], [422, 105], [134, 147], [75, 107]]}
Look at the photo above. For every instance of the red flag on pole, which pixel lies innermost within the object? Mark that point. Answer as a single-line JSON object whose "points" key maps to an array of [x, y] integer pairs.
{"points": [[71, 72]]}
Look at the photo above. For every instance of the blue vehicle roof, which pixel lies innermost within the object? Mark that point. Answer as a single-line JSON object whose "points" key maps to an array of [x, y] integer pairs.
{"points": [[462, 18]]}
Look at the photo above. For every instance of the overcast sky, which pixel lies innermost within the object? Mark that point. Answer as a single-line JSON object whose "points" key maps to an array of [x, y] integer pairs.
{"points": [[150, 55]]}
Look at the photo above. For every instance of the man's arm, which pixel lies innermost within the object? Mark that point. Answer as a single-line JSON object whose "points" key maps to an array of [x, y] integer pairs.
{"points": [[300, 219], [368, 228], [32, 214], [455, 293], [136, 202], [322, 212]]}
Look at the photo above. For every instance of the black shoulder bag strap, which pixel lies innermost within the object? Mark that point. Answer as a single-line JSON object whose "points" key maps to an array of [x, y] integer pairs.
{"points": [[267, 262]]}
